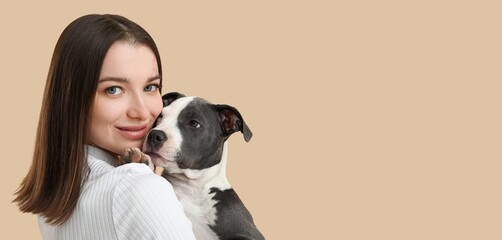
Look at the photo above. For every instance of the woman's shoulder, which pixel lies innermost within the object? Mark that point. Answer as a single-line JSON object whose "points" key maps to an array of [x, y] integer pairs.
{"points": [[140, 176], [145, 204]]}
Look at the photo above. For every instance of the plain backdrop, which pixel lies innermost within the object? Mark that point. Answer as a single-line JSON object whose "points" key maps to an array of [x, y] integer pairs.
{"points": [[371, 119]]}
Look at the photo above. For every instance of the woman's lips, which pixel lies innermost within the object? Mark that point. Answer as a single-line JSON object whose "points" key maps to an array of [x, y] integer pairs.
{"points": [[133, 132]]}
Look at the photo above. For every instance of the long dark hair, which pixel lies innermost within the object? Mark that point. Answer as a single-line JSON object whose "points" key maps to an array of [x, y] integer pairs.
{"points": [[53, 183]]}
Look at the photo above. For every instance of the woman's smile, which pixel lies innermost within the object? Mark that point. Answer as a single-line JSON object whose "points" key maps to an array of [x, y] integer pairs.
{"points": [[133, 132]]}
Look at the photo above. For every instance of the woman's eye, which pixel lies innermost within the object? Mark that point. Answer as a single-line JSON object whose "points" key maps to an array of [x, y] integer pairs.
{"points": [[194, 124], [114, 90], [152, 88]]}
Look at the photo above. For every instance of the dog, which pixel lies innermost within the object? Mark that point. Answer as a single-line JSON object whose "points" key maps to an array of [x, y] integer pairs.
{"points": [[189, 142]]}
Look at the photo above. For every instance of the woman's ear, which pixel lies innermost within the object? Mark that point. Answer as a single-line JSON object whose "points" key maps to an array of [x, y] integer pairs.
{"points": [[168, 98]]}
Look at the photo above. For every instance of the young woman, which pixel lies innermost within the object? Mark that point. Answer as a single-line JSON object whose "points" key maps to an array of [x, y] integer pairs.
{"points": [[102, 95]]}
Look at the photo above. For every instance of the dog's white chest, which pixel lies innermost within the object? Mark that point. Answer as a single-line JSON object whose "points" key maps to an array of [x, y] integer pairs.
{"points": [[199, 208]]}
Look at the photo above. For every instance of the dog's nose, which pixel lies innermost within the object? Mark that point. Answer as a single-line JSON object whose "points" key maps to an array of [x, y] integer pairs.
{"points": [[156, 138]]}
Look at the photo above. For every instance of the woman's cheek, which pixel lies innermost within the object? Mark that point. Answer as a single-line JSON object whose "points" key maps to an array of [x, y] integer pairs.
{"points": [[155, 107]]}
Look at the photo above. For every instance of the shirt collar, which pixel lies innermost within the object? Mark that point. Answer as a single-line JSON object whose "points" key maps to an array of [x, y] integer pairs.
{"points": [[100, 154]]}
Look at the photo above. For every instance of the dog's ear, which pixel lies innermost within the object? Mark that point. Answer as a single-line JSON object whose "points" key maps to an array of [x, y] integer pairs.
{"points": [[232, 121], [168, 98]]}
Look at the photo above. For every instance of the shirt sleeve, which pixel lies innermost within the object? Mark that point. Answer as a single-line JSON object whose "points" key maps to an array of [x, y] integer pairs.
{"points": [[146, 207]]}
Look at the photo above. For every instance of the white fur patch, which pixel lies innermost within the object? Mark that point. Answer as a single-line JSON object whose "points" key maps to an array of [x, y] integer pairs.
{"points": [[198, 206]]}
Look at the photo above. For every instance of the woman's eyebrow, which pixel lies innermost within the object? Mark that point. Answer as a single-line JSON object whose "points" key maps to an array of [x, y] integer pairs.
{"points": [[151, 79], [113, 79], [124, 80]]}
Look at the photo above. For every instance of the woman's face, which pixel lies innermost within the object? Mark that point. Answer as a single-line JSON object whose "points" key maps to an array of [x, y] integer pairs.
{"points": [[127, 99]]}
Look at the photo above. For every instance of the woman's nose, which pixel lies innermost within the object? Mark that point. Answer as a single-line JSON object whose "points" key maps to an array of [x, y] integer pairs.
{"points": [[137, 107]]}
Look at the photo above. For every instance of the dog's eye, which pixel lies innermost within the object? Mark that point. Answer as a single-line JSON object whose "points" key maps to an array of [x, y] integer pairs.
{"points": [[194, 124]]}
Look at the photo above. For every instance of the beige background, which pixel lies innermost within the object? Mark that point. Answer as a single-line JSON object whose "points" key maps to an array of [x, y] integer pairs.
{"points": [[371, 119]]}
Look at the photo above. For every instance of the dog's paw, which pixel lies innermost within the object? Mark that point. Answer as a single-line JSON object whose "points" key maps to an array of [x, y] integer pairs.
{"points": [[134, 155]]}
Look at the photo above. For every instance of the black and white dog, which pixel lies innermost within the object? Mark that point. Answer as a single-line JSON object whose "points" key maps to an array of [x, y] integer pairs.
{"points": [[189, 142]]}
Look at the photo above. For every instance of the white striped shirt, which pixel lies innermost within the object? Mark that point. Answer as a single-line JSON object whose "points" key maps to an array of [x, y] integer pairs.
{"points": [[124, 202]]}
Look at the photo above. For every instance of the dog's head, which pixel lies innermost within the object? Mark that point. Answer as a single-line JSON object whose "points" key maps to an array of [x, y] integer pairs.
{"points": [[190, 133]]}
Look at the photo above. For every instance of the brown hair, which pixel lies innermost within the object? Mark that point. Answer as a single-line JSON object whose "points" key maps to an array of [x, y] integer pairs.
{"points": [[59, 167]]}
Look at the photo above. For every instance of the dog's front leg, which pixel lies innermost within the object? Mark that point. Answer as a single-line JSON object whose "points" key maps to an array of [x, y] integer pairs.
{"points": [[134, 155]]}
